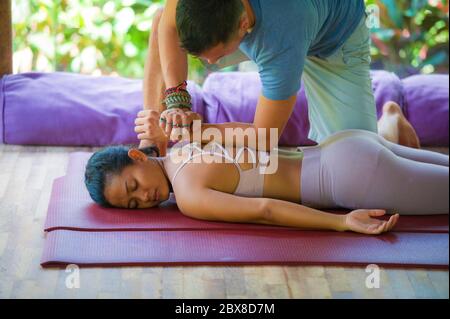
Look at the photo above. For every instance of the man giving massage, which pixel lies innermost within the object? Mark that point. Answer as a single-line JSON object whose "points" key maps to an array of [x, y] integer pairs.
{"points": [[352, 169], [324, 42]]}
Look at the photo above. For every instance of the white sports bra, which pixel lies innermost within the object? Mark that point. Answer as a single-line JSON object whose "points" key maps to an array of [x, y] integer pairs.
{"points": [[251, 181]]}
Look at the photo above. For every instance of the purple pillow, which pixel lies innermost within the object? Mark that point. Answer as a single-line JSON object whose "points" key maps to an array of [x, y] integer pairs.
{"points": [[80, 110], [426, 101], [72, 109], [232, 97], [386, 86]]}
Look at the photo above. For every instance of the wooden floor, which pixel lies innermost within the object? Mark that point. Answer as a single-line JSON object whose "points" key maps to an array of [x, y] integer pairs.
{"points": [[26, 176]]}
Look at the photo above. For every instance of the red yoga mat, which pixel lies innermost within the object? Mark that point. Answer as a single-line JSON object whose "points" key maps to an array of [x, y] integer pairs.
{"points": [[81, 232]]}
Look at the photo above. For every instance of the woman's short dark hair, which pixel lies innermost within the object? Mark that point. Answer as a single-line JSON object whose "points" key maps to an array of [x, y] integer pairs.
{"points": [[105, 163], [203, 24]]}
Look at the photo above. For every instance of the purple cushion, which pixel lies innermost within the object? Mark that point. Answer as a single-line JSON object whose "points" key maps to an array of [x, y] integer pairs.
{"points": [[232, 97], [426, 101], [386, 86], [2, 107], [72, 109]]}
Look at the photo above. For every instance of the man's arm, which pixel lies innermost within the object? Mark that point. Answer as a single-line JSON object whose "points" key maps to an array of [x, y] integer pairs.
{"points": [[164, 54], [174, 63], [269, 114], [153, 84]]}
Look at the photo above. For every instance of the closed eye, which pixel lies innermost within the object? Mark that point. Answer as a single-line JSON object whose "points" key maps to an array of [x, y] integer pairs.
{"points": [[133, 203], [135, 188]]}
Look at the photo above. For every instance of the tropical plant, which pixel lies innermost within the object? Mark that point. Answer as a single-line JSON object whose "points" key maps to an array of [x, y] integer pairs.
{"points": [[412, 36], [110, 37]]}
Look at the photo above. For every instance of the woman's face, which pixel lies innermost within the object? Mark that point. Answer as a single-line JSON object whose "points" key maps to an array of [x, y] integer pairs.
{"points": [[140, 185]]}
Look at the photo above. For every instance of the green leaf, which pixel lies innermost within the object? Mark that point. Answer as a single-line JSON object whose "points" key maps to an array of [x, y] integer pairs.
{"points": [[394, 12]]}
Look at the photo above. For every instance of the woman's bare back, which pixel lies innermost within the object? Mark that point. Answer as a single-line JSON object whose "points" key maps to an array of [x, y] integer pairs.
{"points": [[218, 173]]}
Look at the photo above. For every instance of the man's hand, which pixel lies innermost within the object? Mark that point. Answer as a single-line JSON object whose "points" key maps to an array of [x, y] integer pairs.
{"points": [[362, 221], [147, 126], [149, 132], [177, 123]]}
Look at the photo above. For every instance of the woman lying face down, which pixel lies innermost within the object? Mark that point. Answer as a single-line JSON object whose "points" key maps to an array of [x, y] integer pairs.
{"points": [[352, 169]]}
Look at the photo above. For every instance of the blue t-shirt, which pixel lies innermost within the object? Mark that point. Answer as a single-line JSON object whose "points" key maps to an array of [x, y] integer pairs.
{"points": [[288, 31]]}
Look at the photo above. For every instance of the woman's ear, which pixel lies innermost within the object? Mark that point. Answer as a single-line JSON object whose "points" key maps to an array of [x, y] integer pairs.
{"points": [[137, 155]]}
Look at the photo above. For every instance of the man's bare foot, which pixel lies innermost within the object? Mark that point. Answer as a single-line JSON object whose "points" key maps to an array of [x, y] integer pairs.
{"points": [[394, 126]]}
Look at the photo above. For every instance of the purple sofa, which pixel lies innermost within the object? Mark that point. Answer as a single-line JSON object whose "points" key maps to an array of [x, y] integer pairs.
{"points": [[80, 110]]}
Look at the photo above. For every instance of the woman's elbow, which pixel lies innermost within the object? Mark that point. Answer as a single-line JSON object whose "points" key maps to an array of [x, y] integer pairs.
{"points": [[266, 211]]}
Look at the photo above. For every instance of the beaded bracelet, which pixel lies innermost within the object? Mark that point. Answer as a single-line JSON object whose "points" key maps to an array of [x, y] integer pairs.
{"points": [[181, 86], [179, 99]]}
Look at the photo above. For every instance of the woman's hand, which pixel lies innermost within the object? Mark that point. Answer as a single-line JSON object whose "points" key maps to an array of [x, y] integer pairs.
{"points": [[177, 123], [362, 221]]}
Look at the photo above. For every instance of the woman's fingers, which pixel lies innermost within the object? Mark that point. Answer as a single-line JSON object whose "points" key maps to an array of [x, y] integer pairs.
{"points": [[376, 212], [389, 224], [140, 121], [162, 122], [385, 227], [176, 130], [372, 229], [143, 136], [149, 130], [374, 226], [380, 228], [186, 123], [180, 125], [169, 123], [165, 120], [139, 129], [393, 221], [147, 119], [147, 113]]}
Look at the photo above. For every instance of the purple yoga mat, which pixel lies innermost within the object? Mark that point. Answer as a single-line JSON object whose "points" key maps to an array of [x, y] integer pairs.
{"points": [[83, 233], [239, 247]]}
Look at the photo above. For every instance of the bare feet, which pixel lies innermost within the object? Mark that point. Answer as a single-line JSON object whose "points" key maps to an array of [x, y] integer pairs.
{"points": [[394, 126]]}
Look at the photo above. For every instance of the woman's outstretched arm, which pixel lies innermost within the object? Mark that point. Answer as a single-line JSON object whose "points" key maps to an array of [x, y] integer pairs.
{"points": [[209, 204]]}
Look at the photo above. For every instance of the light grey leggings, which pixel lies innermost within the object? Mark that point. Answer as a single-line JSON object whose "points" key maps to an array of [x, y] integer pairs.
{"points": [[358, 169]]}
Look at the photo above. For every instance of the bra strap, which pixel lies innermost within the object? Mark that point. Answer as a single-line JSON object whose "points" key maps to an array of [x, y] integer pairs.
{"points": [[191, 156], [241, 150], [224, 152], [191, 146]]}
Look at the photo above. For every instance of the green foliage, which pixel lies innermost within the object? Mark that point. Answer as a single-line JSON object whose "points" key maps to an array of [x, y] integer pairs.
{"points": [[111, 36], [413, 35]]}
